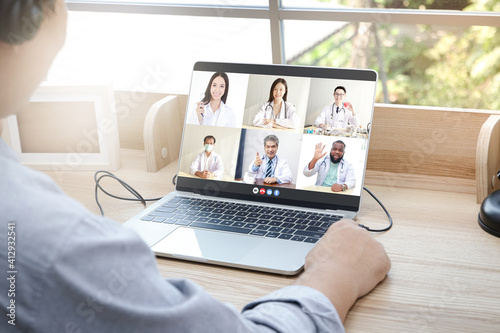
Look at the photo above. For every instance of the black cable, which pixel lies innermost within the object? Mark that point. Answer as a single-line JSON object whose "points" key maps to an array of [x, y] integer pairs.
{"points": [[138, 197], [129, 188], [385, 210]]}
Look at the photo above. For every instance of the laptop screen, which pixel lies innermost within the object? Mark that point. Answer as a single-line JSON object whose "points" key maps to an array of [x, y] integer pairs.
{"points": [[282, 134]]}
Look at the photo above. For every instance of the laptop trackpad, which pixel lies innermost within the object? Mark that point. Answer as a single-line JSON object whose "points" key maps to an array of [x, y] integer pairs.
{"points": [[273, 255]]}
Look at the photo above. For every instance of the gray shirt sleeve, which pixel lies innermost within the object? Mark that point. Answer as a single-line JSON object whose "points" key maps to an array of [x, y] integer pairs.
{"points": [[105, 279]]}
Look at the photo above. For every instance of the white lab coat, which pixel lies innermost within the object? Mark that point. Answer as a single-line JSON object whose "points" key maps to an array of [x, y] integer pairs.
{"points": [[287, 116], [281, 170], [223, 117], [345, 172], [341, 119], [213, 164]]}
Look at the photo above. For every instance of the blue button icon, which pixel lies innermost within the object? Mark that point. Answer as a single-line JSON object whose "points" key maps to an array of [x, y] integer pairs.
{"points": [[276, 193], [269, 192]]}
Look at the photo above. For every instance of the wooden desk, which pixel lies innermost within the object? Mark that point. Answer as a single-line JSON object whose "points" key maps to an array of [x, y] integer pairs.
{"points": [[445, 272]]}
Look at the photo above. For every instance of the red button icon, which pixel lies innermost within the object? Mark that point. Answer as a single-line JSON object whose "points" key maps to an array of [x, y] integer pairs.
{"points": [[262, 191]]}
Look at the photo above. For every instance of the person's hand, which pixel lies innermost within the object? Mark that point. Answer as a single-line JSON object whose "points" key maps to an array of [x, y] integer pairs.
{"points": [[336, 187], [350, 108], [269, 121], [206, 174], [327, 127], [199, 111], [318, 151], [347, 263], [258, 161], [270, 180], [278, 126]]}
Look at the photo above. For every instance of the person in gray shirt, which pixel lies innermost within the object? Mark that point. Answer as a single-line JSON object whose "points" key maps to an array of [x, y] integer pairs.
{"points": [[63, 269]]}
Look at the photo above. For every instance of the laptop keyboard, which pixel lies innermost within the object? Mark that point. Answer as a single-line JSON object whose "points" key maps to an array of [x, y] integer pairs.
{"points": [[243, 218]]}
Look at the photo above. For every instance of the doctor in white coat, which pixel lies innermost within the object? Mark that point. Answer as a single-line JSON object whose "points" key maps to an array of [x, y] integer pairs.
{"points": [[207, 164], [212, 109], [271, 168], [277, 112], [339, 114], [333, 170]]}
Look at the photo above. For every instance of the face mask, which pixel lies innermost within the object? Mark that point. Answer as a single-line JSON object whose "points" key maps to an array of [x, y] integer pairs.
{"points": [[208, 148]]}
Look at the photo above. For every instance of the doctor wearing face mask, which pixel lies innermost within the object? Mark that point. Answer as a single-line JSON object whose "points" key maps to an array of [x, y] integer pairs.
{"points": [[207, 164]]}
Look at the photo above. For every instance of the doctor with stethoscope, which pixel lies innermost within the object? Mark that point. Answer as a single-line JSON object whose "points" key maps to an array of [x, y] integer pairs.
{"points": [[332, 169], [212, 109], [277, 112], [339, 114]]}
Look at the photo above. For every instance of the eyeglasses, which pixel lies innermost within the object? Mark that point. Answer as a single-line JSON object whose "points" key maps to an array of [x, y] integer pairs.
{"points": [[338, 95]]}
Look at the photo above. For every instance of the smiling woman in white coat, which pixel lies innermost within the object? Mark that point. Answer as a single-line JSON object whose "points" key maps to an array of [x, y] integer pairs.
{"points": [[212, 109], [277, 112]]}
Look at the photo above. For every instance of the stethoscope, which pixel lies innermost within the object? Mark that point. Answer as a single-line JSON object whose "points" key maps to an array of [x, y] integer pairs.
{"points": [[341, 164], [340, 109], [272, 110]]}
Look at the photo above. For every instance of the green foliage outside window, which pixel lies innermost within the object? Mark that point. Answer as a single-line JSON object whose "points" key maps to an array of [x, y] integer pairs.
{"points": [[422, 65]]}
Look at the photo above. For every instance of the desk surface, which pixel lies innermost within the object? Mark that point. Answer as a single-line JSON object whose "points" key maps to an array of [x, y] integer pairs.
{"points": [[445, 272]]}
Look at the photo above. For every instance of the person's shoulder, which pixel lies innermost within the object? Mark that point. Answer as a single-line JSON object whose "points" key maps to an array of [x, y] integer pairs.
{"points": [[347, 163]]}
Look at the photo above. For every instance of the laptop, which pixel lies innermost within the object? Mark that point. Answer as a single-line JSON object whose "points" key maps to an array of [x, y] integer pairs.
{"points": [[261, 178]]}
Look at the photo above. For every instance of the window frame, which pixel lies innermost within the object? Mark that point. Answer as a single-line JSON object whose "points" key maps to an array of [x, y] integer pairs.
{"points": [[276, 14]]}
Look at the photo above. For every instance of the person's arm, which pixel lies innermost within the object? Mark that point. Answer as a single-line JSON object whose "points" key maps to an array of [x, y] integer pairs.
{"points": [[346, 264], [353, 116], [218, 167], [312, 167], [105, 279], [350, 178], [194, 165], [259, 119], [255, 165], [284, 174], [321, 120], [199, 113]]}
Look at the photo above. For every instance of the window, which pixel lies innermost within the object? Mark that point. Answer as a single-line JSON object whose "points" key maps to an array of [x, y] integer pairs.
{"points": [[427, 52]]}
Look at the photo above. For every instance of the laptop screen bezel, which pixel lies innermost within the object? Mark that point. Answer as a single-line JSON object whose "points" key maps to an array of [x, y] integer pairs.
{"points": [[295, 197]]}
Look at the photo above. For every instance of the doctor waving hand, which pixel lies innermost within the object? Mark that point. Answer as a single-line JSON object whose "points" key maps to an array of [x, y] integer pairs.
{"points": [[340, 114], [333, 170], [277, 112], [212, 110]]}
